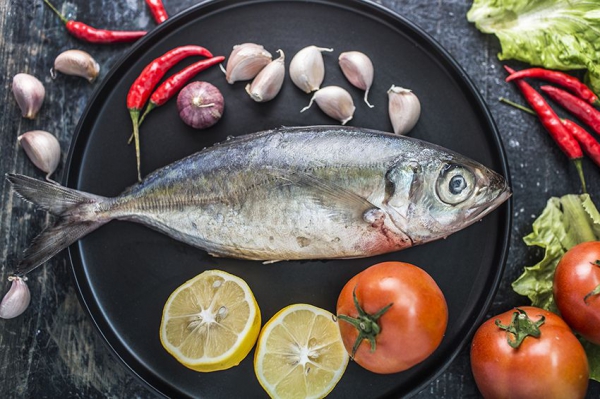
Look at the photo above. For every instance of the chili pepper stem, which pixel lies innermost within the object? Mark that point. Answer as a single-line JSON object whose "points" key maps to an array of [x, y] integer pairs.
{"points": [[135, 116], [577, 161], [518, 106], [149, 108], [62, 17], [579, 167]]}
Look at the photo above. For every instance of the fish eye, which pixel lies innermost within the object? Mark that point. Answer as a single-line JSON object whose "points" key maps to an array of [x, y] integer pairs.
{"points": [[455, 184]]}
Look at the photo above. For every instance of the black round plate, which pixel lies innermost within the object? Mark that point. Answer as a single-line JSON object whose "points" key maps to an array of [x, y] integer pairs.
{"points": [[125, 271]]}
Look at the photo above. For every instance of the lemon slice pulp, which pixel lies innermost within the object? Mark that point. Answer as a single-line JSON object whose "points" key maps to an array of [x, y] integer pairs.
{"points": [[211, 322], [300, 353]]}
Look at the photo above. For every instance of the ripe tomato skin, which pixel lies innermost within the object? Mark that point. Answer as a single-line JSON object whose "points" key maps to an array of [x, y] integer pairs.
{"points": [[551, 366], [411, 329], [576, 276]]}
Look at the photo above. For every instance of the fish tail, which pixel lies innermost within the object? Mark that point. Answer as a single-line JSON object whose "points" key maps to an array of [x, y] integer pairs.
{"points": [[77, 215]]}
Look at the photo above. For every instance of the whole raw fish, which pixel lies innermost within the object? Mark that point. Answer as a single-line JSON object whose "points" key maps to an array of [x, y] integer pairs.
{"points": [[313, 192]]}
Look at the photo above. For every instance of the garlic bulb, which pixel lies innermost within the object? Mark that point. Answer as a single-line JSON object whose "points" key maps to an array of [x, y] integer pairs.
{"points": [[404, 109], [358, 69], [76, 63], [246, 61], [307, 68], [29, 93], [16, 299], [335, 102], [43, 149], [267, 84]]}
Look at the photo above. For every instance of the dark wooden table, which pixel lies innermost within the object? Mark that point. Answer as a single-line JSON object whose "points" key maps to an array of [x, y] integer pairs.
{"points": [[52, 350]]}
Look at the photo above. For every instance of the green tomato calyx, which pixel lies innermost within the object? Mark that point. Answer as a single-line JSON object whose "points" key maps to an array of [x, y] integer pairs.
{"points": [[521, 327], [596, 290], [367, 324]]}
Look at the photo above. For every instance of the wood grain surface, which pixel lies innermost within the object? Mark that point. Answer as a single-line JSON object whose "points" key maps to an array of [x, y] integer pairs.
{"points": [[53, 350]]}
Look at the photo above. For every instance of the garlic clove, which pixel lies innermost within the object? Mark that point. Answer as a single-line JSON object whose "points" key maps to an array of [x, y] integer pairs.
{"points": [[76, 63], [29, 93], [335, 101], [267, 84], [16, 300], [246, 61], [307, 68], [404, 109], [42, 148], [359, 71]]}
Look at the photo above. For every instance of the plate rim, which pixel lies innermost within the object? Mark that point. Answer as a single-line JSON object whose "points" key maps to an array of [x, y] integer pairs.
{"points": [[71, 175]]}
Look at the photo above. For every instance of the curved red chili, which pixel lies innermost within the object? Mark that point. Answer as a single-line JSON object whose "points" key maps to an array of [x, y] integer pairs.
{"points": [[158, 10], [173, 84], [90, 34], [578, 107], [562, 137], [142, 87], [589, 144], [567, 81]]}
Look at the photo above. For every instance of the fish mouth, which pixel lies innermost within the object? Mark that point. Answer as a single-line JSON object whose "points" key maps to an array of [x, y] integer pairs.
{"points": [[502, 192]]}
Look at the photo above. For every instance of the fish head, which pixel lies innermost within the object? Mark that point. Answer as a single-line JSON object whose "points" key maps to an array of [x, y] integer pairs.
{"points": [[433, 196]]}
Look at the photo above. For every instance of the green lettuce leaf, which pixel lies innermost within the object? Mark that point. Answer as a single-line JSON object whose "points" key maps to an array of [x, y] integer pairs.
{"points": [[555, 34], [564, 223]]}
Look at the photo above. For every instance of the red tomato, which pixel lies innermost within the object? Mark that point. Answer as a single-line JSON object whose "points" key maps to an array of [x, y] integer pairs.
{"points": [[554, 365], [576, 276], [408, 331]]}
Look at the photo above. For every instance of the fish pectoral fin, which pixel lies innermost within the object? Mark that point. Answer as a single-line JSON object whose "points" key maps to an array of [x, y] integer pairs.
{"points": [[339, 201]]}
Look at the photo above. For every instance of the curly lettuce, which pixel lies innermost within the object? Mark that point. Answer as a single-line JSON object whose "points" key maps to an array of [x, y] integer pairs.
{"points": [[564, 223], [555, 34]]}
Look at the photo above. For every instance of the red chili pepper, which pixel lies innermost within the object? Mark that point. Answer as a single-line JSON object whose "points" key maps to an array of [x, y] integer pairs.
{"points": [[578, 107], [587, 141], [569, 82], [142, 87], [158, 10], [92, 35], [562, 137], [173, 84], [589, 144]]}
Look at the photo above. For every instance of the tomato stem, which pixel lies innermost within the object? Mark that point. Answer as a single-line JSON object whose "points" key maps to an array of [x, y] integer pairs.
{"points": [[366, 324], [596, 290], [520, 327]]}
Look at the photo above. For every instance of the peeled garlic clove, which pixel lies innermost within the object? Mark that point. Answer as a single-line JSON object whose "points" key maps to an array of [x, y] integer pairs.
{"points": [[307, 68], [358, 69], [267, 84], [246, 61], [335, 102], [16, 299], [76, 63], [404, 109], [42, 148], [29, 93]]}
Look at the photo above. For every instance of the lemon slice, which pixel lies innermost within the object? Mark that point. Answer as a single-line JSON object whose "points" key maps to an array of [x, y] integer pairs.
{"points": [[211, 322], [300, 353]]}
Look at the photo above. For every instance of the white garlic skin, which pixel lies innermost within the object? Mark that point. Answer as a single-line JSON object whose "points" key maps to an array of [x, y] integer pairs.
{"points": [[43, 149], [335, 101], [16, 300], [246, 61], [76, 63], [29, 93], [358, 69], [404, 109], [267, 84], [307, 68]]}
